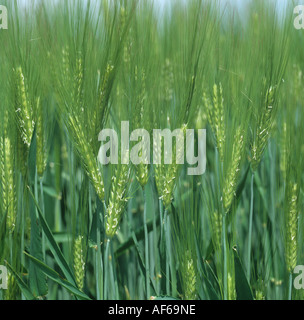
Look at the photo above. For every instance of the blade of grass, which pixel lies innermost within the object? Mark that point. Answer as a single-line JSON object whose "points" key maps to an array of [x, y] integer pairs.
{"points": [[59, 257], [22, 285], [52, 274]]}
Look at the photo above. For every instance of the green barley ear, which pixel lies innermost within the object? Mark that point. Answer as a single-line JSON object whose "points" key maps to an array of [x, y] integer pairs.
{"points": [[166, 175], [169, 184], [86, 154], [76, 122], [216, 117], [263, 130], [292, 214], [118, 198], [259, 295], [216, 224], [189, 277], [23, 108], [11, 293], [231, 179], [142, 169], [40, 140], [79, 264], [9, 200], [218, 102]]}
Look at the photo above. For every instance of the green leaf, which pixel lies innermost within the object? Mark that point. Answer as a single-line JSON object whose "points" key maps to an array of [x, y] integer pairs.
{"points": [[22, 285], [54, 246], [242, 286], [52, 274], [51, 192], [37, 279], [202, 269], [139, 233]]}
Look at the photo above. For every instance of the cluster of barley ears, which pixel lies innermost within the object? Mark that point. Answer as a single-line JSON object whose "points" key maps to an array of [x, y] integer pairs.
{"points": [[73, 228]]}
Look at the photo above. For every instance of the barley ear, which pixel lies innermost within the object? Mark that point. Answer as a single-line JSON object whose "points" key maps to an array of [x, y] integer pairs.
{"points": [[142, 169], [216, 117], [292, 214], [9, 200], [171, 172], [189, 276], [79, 264], [40, 140], [219, 115], [11, 293], [259, 295], [118, 198], [216, 224], [230, 183], [86, 154], [23, 108]]}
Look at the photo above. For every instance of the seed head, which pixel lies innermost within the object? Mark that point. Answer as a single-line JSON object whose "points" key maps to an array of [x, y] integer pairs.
{"points": [[292, 214], [230, 183], [118, 198]]}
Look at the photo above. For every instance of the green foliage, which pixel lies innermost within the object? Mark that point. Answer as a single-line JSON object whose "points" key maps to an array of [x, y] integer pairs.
{"points": [[71, 228]]}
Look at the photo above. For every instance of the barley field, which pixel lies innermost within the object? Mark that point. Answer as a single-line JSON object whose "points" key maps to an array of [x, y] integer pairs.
{"points": [[72, 228]]}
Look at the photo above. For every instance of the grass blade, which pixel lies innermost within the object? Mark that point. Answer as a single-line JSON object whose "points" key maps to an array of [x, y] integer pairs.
{"points": [[22, 285], [243, 289], [57, 278], [54, 246]]}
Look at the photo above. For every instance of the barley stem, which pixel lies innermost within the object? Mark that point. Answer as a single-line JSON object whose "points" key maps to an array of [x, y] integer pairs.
{"points": [[289, 286], [250, 227], [147, 262], [156, 254], [43, 212], [106, 269], [225, 259], [167, 252], [99, 266]]}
